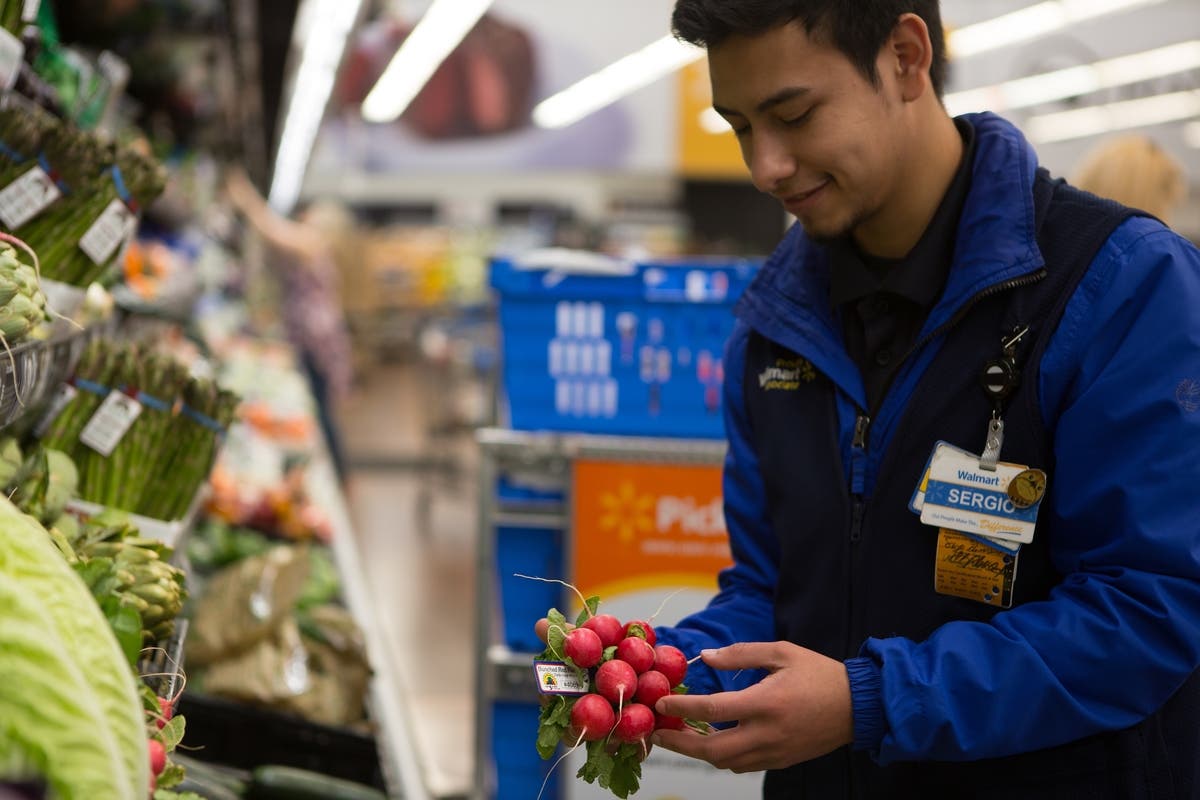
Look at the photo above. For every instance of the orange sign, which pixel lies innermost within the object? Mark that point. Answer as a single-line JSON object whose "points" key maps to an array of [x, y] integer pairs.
{"points": [[707, 147], [645, 526]]}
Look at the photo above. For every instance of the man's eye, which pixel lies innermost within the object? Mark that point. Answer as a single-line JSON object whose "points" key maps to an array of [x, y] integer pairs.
{"points": [[796, 122]]}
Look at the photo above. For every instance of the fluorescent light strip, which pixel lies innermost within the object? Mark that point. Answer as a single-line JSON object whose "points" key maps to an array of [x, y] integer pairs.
{"points": [[440, 30], [1095, 120], [1076, 81], [613, 82], [1032, 22], [331, 22]]}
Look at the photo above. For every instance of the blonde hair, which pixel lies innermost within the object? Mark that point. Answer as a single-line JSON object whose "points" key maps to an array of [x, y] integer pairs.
{"points": [[1136, 172]]}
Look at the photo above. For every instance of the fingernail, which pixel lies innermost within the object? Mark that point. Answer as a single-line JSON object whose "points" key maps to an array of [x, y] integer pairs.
{"points": [[656, 739], [710, 651]]}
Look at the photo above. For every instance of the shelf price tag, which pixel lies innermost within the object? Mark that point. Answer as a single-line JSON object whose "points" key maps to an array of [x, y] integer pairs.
{"points": [[66, 393], [110, 423], [114, 227], [26, 197]]}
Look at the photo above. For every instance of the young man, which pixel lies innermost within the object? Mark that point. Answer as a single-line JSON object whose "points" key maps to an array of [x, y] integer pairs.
{"points": [[860, 652]]}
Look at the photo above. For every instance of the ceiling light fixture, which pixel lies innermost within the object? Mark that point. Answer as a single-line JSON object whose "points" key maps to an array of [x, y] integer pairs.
{"points": [[326, 26], [1077, 81], [1096, 120], [439, 31], [1032, 22], [606, 86]]}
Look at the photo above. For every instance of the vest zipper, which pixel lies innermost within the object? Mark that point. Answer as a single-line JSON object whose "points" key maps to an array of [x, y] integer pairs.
{"points": [[1015, 283], [858, 473]]}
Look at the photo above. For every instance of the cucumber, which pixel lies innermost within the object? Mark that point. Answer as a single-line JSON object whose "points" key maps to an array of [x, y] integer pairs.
{"points": [[289, 783]]}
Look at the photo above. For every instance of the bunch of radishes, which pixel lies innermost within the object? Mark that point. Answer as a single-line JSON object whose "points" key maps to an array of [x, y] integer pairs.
{"points": [[631, 675]]}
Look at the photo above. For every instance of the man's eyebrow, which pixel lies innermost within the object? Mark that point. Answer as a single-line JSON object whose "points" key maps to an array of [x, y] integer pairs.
{"points": [[782, 96]]}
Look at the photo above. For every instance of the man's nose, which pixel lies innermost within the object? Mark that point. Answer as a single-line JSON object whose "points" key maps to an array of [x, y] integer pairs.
{"points": [[770, 163]]}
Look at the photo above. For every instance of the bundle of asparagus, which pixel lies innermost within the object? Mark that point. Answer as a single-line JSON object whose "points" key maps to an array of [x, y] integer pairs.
{"points": [[165, 456], [99, 182]]}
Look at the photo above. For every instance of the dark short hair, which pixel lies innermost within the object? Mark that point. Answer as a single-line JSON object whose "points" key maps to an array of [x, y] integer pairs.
{"points": [[858, 28]]}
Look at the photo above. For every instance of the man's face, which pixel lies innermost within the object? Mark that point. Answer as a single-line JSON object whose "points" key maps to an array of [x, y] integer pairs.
{"points": [[814, 132]]}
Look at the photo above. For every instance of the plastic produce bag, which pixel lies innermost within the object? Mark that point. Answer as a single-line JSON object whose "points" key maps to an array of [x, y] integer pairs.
{"points": [[245, 603]]}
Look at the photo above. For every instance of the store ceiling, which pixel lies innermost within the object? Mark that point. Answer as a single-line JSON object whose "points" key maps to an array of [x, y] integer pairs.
{"points": [[1153, 24]]}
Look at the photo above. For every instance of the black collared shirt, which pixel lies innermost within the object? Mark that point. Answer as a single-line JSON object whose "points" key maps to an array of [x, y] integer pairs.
{"points": [[884, 302]]}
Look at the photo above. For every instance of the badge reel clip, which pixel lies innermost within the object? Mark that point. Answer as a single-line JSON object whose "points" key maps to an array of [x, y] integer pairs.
{"points": [[1000, 379]]}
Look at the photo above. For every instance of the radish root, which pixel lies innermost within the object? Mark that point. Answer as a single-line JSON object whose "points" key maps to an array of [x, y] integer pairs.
{"points": [[579, 594], [666, 600], [550, 772]]}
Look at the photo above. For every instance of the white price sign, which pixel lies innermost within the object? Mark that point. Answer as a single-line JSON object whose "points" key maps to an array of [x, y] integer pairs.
{"points": [[112, 228], [110, 423], [26, 197]]}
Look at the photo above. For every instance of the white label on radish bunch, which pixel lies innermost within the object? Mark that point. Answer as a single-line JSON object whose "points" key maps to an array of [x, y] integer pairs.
{"points": [[110, 230], [111, 421], [66, 393], [24, 198], [555, 677]]}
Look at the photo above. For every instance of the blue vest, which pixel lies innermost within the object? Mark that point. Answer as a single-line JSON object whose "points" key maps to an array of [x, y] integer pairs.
{"points": [[854, 566]]}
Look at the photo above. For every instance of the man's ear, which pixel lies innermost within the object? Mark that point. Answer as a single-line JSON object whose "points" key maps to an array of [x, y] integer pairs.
{"points": [[909, 54]]}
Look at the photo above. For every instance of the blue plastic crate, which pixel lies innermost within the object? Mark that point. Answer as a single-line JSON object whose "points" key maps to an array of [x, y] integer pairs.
{"points": [[627, 354], [520, 771], [528, 551]]}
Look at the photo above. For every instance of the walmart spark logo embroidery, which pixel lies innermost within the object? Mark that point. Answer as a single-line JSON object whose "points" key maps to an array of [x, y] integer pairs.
{"points": [[786, 375], [627, 513]]}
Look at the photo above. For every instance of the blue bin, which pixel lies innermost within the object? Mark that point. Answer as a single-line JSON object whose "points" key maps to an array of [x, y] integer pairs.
{"points": [[519, 769], [528, 551], [634, 354]]}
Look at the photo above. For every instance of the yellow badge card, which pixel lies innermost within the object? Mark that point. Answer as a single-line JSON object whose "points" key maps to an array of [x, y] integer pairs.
{"points": [[968, 568]]}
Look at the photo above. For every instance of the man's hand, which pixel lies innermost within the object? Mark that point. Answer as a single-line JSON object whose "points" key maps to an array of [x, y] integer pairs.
{"points": [[801, 711]]}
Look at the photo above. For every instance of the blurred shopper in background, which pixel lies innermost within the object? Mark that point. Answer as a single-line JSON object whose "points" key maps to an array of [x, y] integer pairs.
{"points": [[1136, 172], [304, 255]]}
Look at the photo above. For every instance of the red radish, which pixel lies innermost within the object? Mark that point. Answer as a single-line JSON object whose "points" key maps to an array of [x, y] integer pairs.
{"points": [[671, 661], [641, 630], [158, 757], [616, 682], [652, 687], [584, 648], [592, 717], [607, 627], [670, 723], [635, 723], [166, 710], [637, 653]]}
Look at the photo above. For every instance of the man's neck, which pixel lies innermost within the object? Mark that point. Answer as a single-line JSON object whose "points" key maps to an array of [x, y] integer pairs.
{"points": [[899, 225]]}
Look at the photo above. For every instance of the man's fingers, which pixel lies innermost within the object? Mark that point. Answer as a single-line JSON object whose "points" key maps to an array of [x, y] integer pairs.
{"points": [[720, 707], [747, 655], [542, 628]]}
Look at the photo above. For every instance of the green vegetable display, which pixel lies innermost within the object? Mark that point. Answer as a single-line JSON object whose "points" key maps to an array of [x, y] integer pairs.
{"points": [[68, 700], [166, 455], [90, 173]]}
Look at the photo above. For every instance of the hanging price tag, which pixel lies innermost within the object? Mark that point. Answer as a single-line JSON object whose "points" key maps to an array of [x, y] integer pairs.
{"points": [[66, 393], [110, 423], [24, 198], [111, 229]]}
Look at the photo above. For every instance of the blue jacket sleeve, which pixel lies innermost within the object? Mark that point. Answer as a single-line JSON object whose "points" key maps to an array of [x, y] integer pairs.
{"points": [[742, 610], [1121, 393]]}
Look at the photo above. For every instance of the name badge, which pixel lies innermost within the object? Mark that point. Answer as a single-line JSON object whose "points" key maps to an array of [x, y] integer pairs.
{"points": [[955, 493], [974, 570]]}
